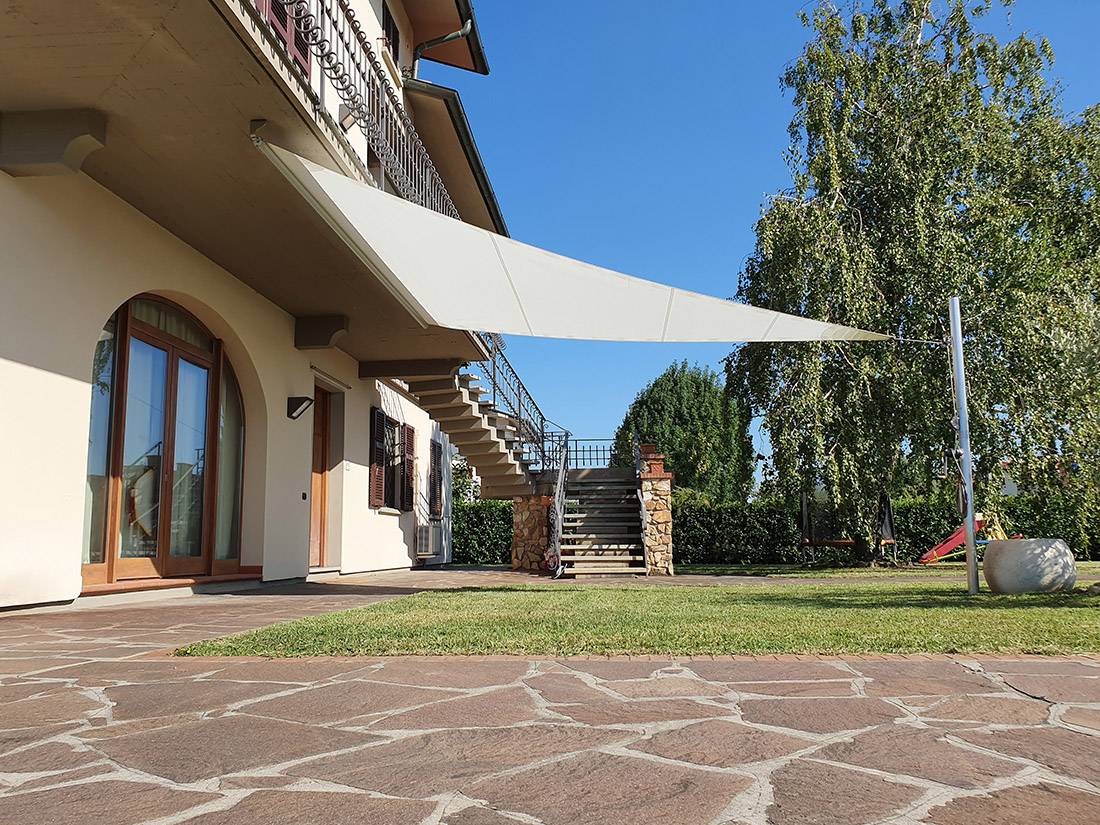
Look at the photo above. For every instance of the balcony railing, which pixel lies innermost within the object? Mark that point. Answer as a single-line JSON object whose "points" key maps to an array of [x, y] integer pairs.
{"points": [[334, 35]]}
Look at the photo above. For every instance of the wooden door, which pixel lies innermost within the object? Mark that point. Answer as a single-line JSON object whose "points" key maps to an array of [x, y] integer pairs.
{"points": [[318, 497]]}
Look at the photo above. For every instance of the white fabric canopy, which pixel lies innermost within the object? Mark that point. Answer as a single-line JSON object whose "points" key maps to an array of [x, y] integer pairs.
{"points": [[451, 274]]}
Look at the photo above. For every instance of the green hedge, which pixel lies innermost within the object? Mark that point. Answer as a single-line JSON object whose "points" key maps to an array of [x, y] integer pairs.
{"points": [[765, 533], [482, 532], [735, 534]]}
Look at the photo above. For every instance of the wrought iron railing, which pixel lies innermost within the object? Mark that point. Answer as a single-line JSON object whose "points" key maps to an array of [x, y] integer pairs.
{"points": [[591, 452], [540, 439], [344, 55], [556, 513], [643, 512]]}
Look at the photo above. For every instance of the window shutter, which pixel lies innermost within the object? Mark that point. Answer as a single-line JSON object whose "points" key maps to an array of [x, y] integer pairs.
{"points": [[289, 31], [436, 481], [377, 493], [408, 466]]}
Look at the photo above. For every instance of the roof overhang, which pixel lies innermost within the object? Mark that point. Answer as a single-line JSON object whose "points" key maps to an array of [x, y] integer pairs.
{"points": [[442, 124], [187, 160], [435, 18], [450, 274]]}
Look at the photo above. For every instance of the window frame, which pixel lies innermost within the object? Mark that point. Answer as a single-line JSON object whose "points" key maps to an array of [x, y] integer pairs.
{"points": [[392, 33], [113, 568], [392, 482]]}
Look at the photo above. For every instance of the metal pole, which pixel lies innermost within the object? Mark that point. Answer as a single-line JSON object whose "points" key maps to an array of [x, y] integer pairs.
{"points": [[963, 421]]}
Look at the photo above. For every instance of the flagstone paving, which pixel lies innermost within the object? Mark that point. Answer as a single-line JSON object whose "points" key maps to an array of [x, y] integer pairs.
{"points": [[99, 724]]}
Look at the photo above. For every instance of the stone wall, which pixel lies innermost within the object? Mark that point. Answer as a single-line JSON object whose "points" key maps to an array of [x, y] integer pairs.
{"points": [[530, 532], [657, 495]]}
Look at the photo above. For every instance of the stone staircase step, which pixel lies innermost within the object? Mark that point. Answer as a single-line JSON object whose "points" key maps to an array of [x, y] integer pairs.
{"points": [[600, 518], [601, 538], [601, 485], [593, 570], [625, 546], [605, 559]]}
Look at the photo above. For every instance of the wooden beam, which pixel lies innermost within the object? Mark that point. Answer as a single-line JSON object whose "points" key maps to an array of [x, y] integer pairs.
{"points": [[409, 369], [319, 331]]}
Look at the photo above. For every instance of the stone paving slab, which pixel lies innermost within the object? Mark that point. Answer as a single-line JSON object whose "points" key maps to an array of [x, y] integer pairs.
{"points": [[98, 724]]}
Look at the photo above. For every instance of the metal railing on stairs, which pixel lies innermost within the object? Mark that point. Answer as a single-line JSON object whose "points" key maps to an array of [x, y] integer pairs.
{"points": [[643, 512], [591, 452], [556, 513], [540, 440]]}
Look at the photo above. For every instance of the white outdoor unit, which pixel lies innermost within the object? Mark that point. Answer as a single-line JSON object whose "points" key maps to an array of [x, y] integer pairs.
{"points": [[429, 540]]}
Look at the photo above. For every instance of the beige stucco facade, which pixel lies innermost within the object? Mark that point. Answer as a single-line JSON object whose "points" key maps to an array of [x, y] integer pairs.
{"points": [[71, 253]]}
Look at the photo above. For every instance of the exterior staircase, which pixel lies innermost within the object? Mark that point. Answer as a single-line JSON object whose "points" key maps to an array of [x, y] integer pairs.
{"points": [[485, 436], [602, 524]]}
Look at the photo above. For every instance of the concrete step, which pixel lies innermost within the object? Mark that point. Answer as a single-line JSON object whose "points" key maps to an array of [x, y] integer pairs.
{"points": [[599, 543], [601, 474], [601, 518], [434, 386], [461, 437], [629, 481], [601, 538], [597, 495], [597, 483], [494, 473], [603, 501], [499, 493], [489, 451], [605, 559], [452, 411], [622, 546], [601, 571]]}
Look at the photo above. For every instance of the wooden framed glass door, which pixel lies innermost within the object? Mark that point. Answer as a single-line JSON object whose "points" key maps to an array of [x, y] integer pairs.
{"points": [[167, 410], [166, 450], [318, 502], [143, 450]]}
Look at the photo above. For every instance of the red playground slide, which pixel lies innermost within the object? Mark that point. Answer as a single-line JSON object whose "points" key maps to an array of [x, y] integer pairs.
{"points": [[955, 540]]}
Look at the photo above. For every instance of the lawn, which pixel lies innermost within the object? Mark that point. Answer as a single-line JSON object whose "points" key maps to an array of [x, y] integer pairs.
{"points": [[561, 620], [1087, 571]]}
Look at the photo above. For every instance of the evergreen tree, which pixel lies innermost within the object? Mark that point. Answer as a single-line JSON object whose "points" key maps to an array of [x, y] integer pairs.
{"points": [[691, 418]]}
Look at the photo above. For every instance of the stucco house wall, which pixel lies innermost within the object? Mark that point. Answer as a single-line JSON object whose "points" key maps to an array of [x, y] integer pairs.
{"points": [[71, 253]]}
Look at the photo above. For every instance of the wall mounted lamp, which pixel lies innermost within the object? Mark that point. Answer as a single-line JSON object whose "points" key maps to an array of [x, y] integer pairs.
{"points": [[296, 405]]}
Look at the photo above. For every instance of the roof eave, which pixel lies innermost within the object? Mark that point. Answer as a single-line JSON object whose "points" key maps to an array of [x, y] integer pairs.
{"points": [[457, 112]]}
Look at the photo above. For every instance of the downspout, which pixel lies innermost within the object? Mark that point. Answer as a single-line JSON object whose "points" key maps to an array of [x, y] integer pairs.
{"points": [[467, 27]]}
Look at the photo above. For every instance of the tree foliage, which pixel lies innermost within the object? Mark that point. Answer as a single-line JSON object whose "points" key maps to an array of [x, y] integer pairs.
{"points": [[928, 160], [699, 426]]}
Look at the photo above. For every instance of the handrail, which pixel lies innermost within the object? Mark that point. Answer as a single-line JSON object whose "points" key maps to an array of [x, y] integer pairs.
{"points": [[639, 468], [591, 452], [539, 438], [344, 54], [556, 513]]}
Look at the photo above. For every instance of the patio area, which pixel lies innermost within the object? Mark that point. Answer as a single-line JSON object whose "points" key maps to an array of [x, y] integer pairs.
{"points": [[99, 723]]}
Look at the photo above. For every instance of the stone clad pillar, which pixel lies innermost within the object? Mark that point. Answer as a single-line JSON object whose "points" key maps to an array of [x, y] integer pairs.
{"points": [[657, 495], [530, 532]]}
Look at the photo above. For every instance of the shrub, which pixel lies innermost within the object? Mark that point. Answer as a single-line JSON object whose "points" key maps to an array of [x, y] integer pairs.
{"points": [[482, 532], [754, 533], [770, 533], [1073, 518]]}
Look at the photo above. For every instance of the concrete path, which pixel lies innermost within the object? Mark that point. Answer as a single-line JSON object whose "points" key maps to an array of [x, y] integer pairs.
{"points": [[99, 725]]}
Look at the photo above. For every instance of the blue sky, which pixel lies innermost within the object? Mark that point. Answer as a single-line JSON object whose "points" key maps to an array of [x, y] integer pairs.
{"points": [[644, 136]]}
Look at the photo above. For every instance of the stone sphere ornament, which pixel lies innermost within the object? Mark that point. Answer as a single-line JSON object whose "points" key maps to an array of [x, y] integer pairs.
{"points": [[1029, 566]]}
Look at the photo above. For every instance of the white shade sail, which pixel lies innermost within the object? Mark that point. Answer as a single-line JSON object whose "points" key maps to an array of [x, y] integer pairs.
{"points": [[451, 274]]}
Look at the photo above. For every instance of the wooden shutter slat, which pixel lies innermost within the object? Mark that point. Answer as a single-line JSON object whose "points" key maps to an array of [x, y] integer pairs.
{"points": [[289, 31], [408, 466], [377, 491], [436, 481]]}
